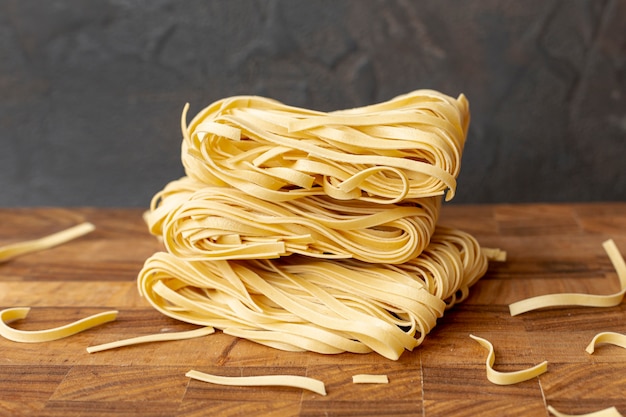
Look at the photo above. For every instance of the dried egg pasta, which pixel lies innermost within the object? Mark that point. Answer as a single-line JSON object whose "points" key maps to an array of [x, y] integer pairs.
{"points": [[21, 248], [37, 336], [370, 379], [607, 412], [407, 147], [159, 337], [294, 381], [299, 303], [507, 378], [611, 338], [217, 223], [576, 299]]}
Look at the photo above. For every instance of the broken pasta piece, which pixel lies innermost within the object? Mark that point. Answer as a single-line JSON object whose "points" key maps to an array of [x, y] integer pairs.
{"points": [[612, 338], [369, 379], [159, 337], [607, 412], [574, 299], [294, 381], [37, 336], [21, 248], [508, 378]]}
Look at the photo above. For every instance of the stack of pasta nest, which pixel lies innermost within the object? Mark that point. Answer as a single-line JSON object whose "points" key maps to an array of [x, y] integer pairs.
{"points": [[306, 230]]}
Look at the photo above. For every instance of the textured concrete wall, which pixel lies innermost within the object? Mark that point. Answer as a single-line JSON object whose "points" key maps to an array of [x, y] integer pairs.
{"points": [[91, 92]]}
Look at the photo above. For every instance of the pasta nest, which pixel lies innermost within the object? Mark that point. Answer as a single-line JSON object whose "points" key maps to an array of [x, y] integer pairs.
{"points": [[198, 222], [300, 303], [305, 230], [407, 147]]}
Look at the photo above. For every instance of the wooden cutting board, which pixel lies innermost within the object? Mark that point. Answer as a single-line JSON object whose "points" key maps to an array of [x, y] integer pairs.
{"points": [[551, 248]]}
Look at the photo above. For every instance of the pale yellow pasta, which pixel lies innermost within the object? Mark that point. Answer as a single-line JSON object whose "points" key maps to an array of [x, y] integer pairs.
{"points": [[46, 335], [306, 230], [607, 412], [21, 248], [159, 337], [507, 378], [294, 381], [216, 223], [300, 303], [370, 379], [612, 338], [578, 299], [407, 147]]}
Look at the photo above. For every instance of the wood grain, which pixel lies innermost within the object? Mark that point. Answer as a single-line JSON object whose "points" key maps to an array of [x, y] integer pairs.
{"points": [[550, 248]]}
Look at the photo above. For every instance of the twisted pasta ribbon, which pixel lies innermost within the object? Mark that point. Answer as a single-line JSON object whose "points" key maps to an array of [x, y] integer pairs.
{"points": [[298, 303], [507, 378], [579, 299], [407, 147], [217, 223]]}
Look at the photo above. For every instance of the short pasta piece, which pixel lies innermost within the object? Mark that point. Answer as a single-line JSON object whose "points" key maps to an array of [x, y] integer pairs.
{"points": [[607, 412], [612, 338], [507, 378], [294, 381], [370, 379], [37, 336]]}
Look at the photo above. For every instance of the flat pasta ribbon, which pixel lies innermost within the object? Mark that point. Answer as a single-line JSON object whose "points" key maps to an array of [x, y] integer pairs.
{"points": [[21, 248], [607, 412], [369, 379], [507, 378], [294, 381], [37, 336], [407, 147], [611, 338], [576, 299], [159, 337]]}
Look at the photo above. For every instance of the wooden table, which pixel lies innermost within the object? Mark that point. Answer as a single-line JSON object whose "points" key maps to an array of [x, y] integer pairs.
{"points": [[551, 248]]}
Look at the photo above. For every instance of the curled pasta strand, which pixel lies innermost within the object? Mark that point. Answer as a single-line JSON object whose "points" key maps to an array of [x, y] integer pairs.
{"points": [[507, 378], [612, 338], [36, 336], [577, 299], [407, 147]]}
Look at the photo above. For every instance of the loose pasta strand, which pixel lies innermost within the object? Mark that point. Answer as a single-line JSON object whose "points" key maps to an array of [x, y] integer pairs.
{"points": [[579, 299], [37, 336], [21, 248], [508, 378]]}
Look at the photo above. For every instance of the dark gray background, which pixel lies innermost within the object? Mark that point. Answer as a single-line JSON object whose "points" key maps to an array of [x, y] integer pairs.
{"points": [[91, 91]]}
